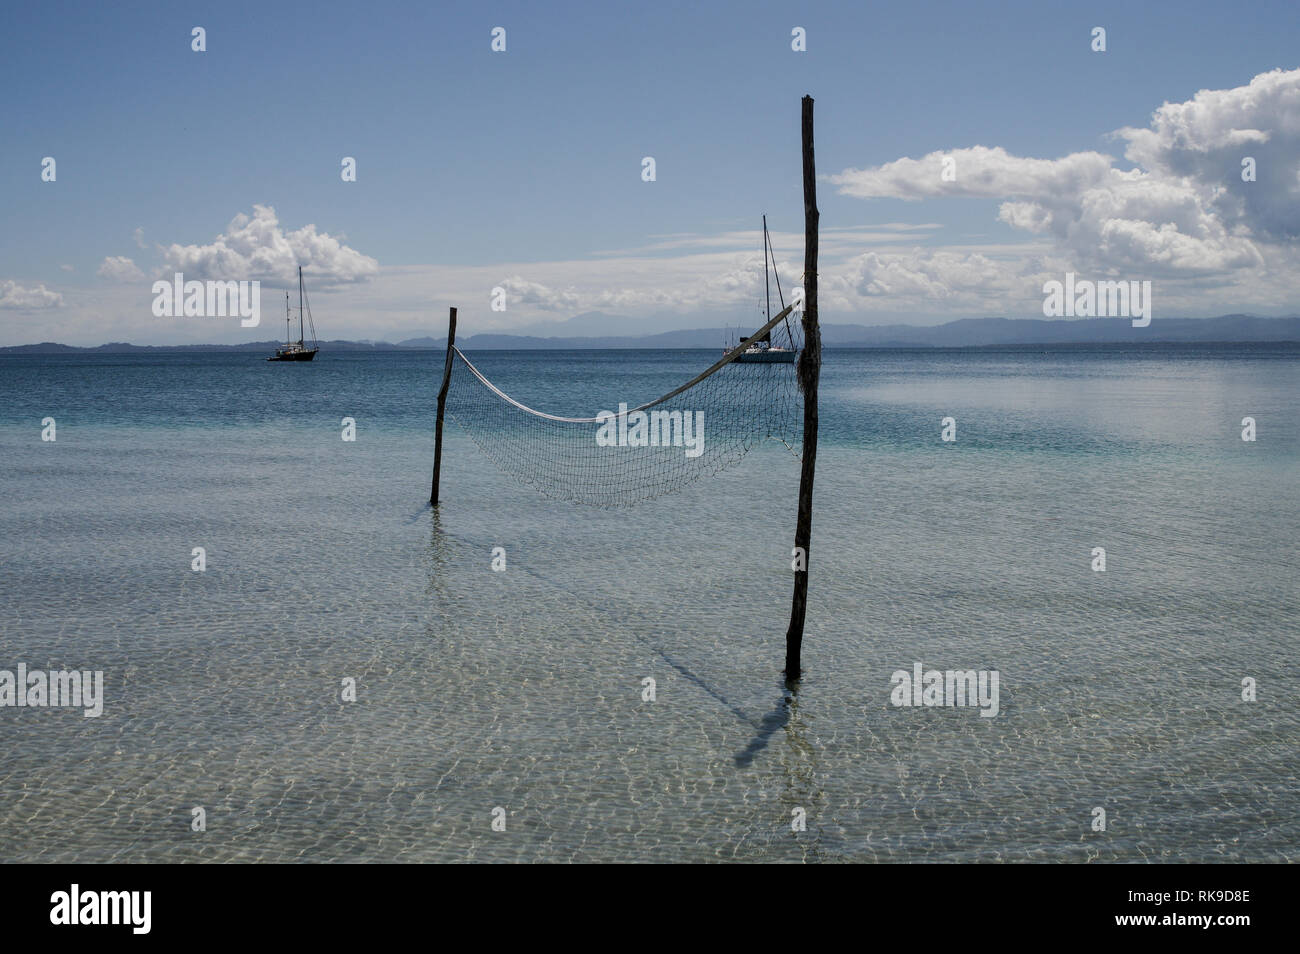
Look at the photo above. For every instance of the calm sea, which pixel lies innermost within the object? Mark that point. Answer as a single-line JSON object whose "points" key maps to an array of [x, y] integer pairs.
{"points": [[522, 690]]}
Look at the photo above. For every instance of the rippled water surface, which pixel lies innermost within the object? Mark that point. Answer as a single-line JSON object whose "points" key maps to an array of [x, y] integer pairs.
{"points": [[523, 689]]}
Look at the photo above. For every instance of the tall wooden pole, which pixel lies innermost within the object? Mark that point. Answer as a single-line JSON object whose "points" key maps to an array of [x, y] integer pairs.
{"points": [[442, 407], [809, 370]]}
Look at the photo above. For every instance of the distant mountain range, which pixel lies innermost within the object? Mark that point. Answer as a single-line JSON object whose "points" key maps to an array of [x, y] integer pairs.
{"points": [[966, 333]]}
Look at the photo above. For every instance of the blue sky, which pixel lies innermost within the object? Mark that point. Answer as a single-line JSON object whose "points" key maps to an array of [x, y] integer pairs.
{"points": [[522, 169]]}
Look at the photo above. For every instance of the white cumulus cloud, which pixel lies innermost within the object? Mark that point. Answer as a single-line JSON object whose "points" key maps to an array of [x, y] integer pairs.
{"points": [[119, 268], [1183, 209], [255, 247], [13, 295]]}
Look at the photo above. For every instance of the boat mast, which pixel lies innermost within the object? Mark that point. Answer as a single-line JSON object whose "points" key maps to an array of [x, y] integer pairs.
{"points": [[767, 315], [288, 316], [300, 342], [767, 245]]}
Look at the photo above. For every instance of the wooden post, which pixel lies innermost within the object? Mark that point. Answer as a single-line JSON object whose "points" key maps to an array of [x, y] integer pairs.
{"points": [[442, 406], [809, 371]]}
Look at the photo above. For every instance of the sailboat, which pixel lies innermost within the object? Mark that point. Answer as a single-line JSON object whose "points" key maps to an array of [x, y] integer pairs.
{"points": [[297, 350], [761, 350]]}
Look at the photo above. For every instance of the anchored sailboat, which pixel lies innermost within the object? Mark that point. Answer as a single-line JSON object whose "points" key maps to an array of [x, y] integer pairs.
{"points": [[761, 350], [297, 351]]}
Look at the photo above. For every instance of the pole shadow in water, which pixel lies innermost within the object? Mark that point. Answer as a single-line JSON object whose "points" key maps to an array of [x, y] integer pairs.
{"points": [[771, 723]]}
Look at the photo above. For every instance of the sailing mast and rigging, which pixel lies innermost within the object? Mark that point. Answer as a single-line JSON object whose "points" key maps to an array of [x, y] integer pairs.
{"points": [[761, 350]]}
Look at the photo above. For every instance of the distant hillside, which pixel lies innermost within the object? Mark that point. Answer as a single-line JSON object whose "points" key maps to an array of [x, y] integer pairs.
{"points": [[966, 333], [984, 332], [121, 347]]}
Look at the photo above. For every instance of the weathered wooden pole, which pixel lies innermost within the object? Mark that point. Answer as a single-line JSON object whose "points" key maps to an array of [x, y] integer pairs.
{"points": [[442, 407], [809, 371]]}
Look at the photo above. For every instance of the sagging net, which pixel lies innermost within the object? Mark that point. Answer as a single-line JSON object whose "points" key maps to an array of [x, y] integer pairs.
{"points": [[632, 454]]}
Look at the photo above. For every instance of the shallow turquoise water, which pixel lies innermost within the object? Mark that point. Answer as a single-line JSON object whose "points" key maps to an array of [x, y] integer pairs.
{"points": [[522, 689]]}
